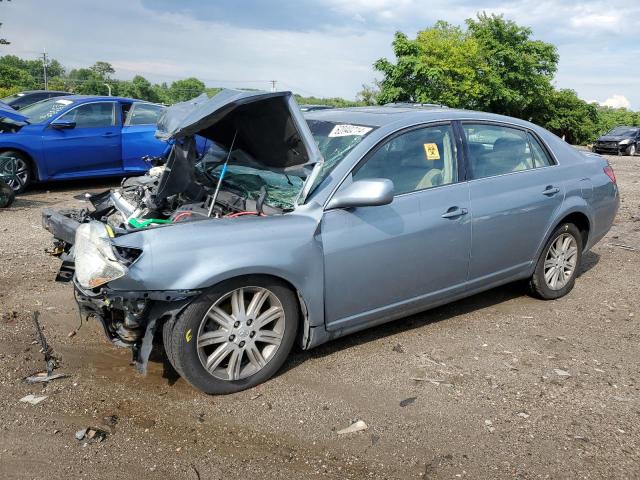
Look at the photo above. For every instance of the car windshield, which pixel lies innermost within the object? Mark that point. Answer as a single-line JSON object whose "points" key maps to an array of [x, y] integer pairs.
{"points": [[41, 111], [620, 131], [335, 140], [246, 177]]}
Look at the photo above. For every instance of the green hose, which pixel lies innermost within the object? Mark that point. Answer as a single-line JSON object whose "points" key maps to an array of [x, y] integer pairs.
{"points": [[135, 223]]}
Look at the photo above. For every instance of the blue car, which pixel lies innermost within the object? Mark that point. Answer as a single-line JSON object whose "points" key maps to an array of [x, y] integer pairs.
{"points": [[80, 136]]}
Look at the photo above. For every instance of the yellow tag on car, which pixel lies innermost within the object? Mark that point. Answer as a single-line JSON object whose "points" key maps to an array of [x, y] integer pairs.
{"points": [[188, 336], [109, 231], [432, 152]]}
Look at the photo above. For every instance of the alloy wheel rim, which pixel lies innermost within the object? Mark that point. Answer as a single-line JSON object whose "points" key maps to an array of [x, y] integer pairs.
{"points": [[18, 176], [240, 333], [560, 261]]}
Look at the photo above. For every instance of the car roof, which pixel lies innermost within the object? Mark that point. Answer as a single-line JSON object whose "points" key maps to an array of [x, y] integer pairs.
{"points": [[29, 92], [383, 115], [84, 98]]}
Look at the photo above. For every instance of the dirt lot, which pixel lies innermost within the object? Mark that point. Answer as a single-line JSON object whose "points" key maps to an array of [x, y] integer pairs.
{"points": [[494, 400]]}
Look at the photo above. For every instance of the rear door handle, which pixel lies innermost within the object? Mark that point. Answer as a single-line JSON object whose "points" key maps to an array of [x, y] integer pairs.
{"points": [[109, 134], [551, 190], [455, 212]]}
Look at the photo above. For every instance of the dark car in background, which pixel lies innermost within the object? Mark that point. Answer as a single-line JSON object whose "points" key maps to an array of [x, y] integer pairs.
{"points": [[24, 99], [622, 140]]}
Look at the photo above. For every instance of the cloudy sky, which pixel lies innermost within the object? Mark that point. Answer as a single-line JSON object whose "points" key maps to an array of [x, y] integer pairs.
{"points": [[314, 47]]}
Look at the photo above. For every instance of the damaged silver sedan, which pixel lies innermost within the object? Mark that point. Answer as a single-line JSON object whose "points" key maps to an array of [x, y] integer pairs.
{"points": [[293, 230]]}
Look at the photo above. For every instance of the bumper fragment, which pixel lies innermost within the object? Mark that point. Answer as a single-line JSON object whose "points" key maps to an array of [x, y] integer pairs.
{"points": [[61, 227]]}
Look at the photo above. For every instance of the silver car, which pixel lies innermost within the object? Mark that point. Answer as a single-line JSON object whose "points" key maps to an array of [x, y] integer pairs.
{"points": [[295, 230]]}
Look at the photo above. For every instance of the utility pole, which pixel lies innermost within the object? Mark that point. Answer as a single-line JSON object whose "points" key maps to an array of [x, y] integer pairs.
{"points": [[44, 67], [273, 85], [109, 87]]}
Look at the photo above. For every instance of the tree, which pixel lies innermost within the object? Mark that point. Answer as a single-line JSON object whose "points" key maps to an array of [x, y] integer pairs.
{"points": [[367, 95], [520, 69], [183, 90], [569, 117], [103, 70], [139, 88], [493, 65], [442, 65]]}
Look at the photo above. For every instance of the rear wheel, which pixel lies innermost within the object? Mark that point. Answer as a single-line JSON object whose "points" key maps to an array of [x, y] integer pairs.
{"points": [[236, 335], [20, 174], [557, 267]]}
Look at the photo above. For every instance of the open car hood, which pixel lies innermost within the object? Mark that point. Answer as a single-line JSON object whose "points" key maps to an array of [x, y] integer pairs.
{"points": [[269, 127], [7, 112]]}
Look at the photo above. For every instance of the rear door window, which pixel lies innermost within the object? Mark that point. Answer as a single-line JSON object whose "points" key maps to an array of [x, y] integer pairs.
{"points": [[144, 114], [498, 150]]}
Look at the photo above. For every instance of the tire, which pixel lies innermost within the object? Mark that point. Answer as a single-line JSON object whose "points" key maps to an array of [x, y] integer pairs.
{"points": [[25, 171], [544, 288], [631, 151], [202, 337], [167, 330], [7, 195]]}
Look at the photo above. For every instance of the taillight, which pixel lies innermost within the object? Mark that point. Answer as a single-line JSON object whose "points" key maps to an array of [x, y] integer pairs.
{"points": [[610, 173]]}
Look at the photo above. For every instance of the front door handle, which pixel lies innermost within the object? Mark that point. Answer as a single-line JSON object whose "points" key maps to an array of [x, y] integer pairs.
{"points": [[551, 190], [108, 134], [455, 212]]}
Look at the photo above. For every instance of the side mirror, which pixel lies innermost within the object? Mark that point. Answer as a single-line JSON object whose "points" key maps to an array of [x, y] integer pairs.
{"points": [[364, 193], [62, 125]]}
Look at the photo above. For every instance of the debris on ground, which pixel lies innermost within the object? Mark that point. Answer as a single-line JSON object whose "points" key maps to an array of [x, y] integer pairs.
{"points": [[407, 401], [92, 434], [44, 377], [33, 399], [358, 426], [489, 425], [561, 373], [398, 348], [524, 415], [47, 351]]}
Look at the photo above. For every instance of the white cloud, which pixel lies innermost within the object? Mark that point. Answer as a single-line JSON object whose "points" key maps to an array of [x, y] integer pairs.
{"points": [[614, 101]]}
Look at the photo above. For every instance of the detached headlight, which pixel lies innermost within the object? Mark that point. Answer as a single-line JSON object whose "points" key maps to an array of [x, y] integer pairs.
{"points": [[626, 141], [96, 262]]}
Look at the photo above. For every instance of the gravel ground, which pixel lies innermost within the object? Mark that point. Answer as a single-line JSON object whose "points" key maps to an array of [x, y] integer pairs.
{"points": [[508, 386]]}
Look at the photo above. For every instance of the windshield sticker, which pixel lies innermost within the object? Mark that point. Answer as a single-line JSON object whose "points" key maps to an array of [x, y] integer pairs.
{"points": [[349, 130], [432, 152], [64, 102]]}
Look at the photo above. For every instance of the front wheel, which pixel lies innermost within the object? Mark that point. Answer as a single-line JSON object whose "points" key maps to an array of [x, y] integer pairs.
{"points": [[557, 267], [631, 151], [18, 172], [235, 336]]}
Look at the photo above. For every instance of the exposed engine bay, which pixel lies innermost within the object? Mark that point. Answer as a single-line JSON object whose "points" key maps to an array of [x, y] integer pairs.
{"points": [[256, 161]]}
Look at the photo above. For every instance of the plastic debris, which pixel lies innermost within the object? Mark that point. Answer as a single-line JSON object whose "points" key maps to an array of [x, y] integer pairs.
{"points": [[407, 401], [358, 426], [33, 399], [524, 415], [44, 377], [561, 373], [489, 425]]}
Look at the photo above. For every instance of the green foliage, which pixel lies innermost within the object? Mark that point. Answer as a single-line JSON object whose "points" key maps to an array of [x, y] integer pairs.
{"points": [[333, 101], [495, 66], [183, 90]]}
